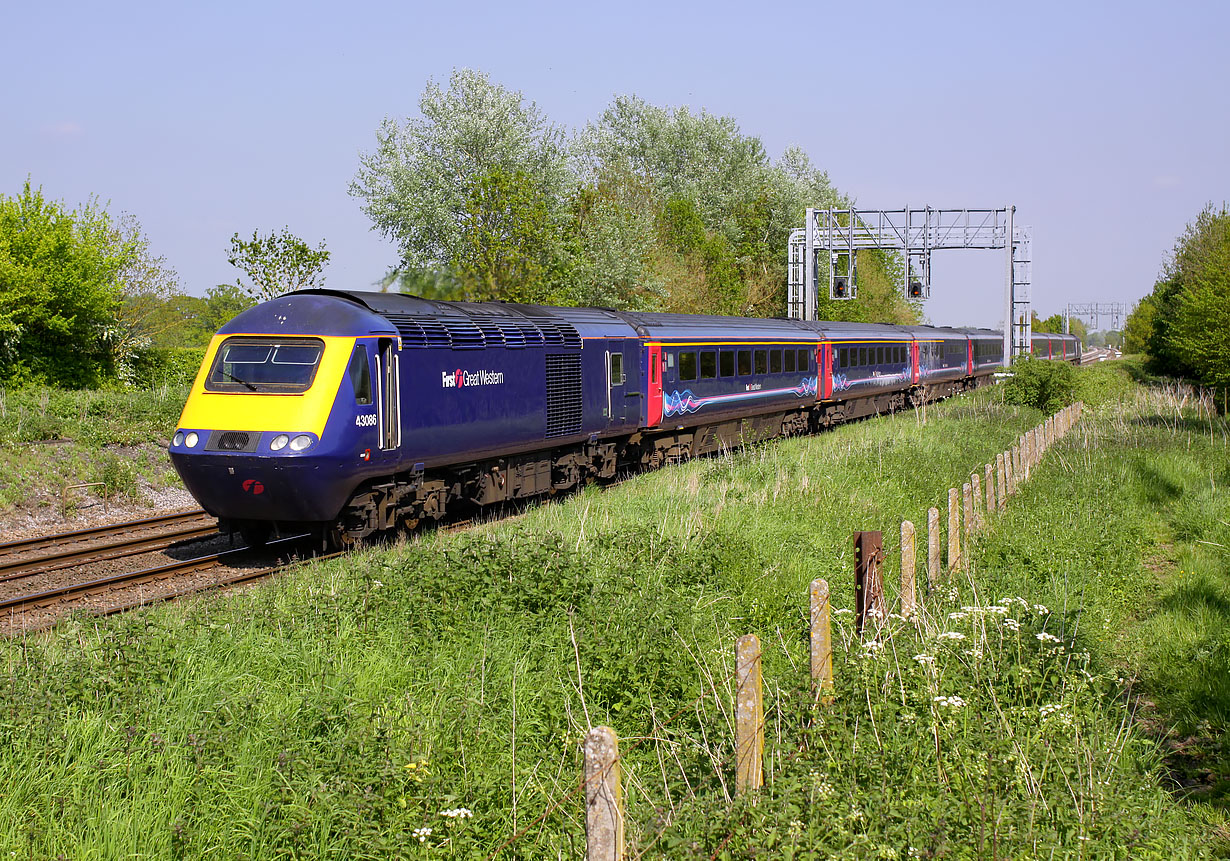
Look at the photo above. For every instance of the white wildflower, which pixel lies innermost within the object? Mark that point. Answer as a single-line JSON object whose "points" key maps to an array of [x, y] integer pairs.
{"points": [[457, 813], [842, 611], [952, 635], [1044, 637], [1041, 609], [925, 659], [955, 616], [1012, 624], [952, 702], [872, 648], [422, 834]]}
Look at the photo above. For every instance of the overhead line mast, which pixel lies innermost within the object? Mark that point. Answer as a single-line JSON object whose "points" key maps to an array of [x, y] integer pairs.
{"points": [[831, 239]]}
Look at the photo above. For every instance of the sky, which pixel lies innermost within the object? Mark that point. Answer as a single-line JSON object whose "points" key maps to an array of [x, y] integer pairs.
{"points": [[1107, 125]]}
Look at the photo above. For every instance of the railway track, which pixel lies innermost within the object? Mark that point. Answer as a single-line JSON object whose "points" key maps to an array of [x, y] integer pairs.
{"points": [[30, 556]]}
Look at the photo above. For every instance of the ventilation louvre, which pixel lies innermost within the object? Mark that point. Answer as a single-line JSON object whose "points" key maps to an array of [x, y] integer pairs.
{"points": [[477, 332], [563, 395]]}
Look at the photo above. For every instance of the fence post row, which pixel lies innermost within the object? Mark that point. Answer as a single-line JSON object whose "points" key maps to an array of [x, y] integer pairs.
{"points": [[604, 820], [604, 803], [749, 716], [821, 643]]}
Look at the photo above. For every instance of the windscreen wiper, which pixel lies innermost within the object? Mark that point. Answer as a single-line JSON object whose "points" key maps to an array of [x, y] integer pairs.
{"points": [[231, 376]]}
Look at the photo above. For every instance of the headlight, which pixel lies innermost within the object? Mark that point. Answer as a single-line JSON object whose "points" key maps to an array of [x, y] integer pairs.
{"points": [[179, 438], [190, 439], [279, 442], [300, 442]]}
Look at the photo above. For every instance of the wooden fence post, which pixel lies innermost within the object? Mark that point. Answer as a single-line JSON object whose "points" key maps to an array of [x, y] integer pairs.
{"points": [[933, 546], [967, 514], [909, 596], [954, 530], [990, 474], [821, 642], [604, 801], [976, 483], [869, 580], [749, 716], [1001, 487]]}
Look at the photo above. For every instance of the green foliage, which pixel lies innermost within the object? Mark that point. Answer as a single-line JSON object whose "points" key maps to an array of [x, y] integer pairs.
{"points": [[166, 366], [355, 708], [509, 245], [1041, 384], [278, 263], [60, 290], [659, 209], [1190, 312], [426, 183], [1138, 328]]}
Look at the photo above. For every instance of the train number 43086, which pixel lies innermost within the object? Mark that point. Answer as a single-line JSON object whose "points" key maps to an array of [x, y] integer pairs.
{"points": [[365, 421]]}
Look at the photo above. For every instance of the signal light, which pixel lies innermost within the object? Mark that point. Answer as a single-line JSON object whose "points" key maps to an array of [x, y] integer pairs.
{"points": [[916, 289], [841, 287]]}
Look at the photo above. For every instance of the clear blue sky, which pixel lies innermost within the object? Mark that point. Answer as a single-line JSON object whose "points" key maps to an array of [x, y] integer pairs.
{"points": [[1106, 124]]}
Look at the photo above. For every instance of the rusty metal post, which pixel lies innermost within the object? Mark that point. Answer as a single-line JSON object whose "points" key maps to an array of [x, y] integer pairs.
{"points": [[933, 546], [821, 643], [869, 581], [749, 716], [909, 594], [954, 529], [604, 801]]}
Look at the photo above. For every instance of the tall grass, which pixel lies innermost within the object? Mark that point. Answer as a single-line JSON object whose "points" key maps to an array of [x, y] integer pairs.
{"points": [[359, 708]]}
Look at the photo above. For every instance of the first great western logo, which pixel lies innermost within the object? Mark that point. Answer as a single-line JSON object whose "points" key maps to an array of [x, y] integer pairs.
{"points": [[460, 378]]}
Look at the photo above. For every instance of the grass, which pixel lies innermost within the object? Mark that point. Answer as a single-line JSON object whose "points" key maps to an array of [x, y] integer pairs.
{"points": [[52, 438], [343, 710]]}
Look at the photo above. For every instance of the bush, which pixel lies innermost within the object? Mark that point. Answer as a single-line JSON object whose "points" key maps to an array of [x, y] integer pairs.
{"points": [[154, 366], [1041, 384]]}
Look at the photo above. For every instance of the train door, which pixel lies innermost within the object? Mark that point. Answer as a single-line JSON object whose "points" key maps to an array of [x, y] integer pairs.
{"points": [[616, 385], [914, 373], [969, 359], [388, 395], [653, 382], [824, 367]]}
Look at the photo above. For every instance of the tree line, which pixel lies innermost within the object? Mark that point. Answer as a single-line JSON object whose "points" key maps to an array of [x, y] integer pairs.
{"points": [[645, 208], [1183, 325]]}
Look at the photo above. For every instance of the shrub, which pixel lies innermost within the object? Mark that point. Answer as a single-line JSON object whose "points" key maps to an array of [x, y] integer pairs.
{"points": [[1045, 385], [155, 366]]}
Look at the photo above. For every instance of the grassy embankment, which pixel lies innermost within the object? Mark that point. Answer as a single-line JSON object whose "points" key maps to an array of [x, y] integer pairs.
{"points": [[356, 709], [50, 438]]}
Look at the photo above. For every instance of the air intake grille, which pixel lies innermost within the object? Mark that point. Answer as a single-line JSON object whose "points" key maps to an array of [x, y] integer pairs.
{"points": [[477, 332], [232, 441], [563, 395]]}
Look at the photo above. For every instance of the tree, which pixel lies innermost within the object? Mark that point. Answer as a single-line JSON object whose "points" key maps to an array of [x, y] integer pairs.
{"points": [[476, 145], [1138, 328], [277, 263], [147, 284], [222, 304], [60, 290]]}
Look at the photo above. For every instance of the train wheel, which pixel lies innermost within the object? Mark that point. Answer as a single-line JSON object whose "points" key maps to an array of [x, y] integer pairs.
{"points": [[255, 535]]}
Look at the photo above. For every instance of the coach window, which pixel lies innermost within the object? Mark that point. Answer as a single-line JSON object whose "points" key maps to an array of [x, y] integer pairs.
{"points": [[762, 361], [360, 376], [727, 361], [804, 359], [862, 357], [775, 361], [687, 365], [708, 365], [745, 363], [617, 369], [789, 357]]}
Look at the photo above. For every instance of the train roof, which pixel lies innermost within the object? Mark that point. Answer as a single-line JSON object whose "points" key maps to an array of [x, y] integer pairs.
{"points": [[307, 312]]}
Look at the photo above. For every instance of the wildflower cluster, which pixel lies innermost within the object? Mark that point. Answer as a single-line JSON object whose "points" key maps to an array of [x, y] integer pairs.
{"points": [[421, 834], [952, 702], [457, 813]]}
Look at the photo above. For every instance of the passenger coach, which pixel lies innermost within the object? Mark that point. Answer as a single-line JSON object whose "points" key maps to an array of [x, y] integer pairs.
{"points": [[351, 412]]}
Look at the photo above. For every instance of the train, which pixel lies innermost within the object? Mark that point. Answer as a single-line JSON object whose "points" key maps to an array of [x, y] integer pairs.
{"points": [[348, 413]]}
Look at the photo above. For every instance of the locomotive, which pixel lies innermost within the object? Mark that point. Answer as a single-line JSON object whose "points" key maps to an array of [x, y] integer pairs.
{"points": [[347, 413]]}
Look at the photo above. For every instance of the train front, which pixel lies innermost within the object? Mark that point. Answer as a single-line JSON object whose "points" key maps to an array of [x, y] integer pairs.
{"points": [[272, 433]]}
